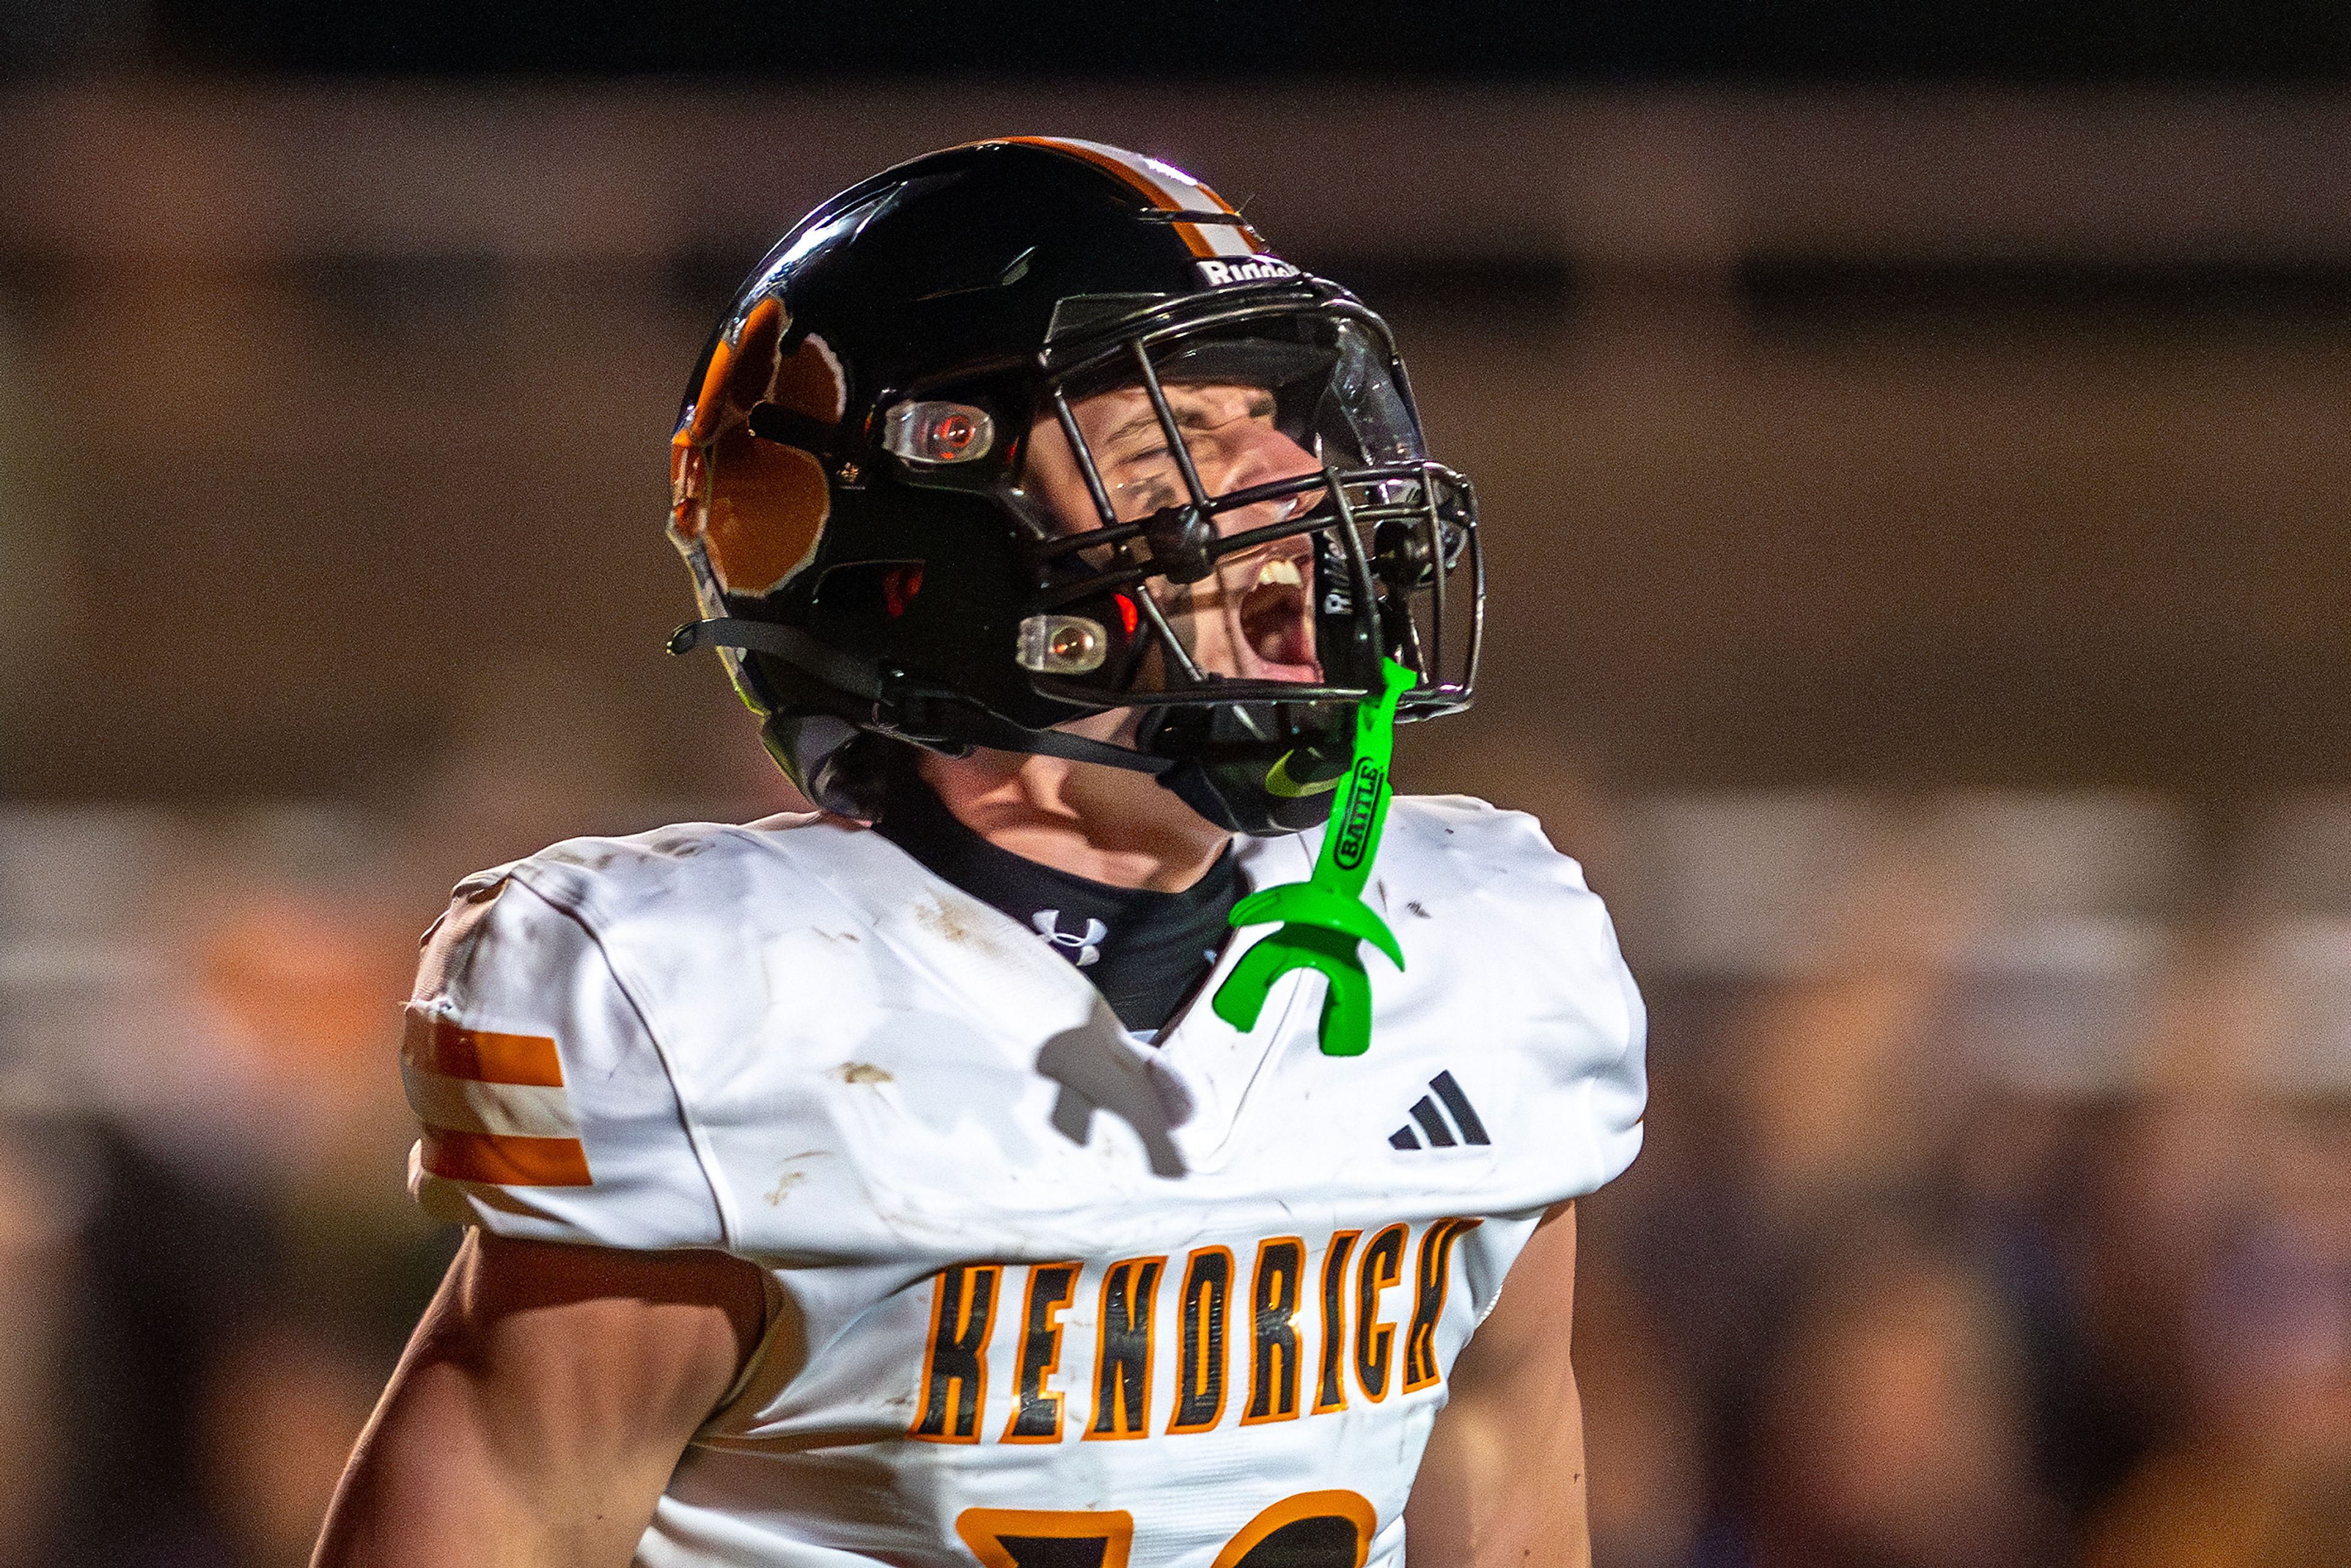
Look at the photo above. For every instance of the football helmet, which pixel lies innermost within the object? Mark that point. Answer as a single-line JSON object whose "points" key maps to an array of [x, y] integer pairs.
{"points": [[1035, 429]]}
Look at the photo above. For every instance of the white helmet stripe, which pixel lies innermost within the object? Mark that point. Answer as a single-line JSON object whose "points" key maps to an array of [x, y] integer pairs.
{"points": [[1169, 188]]}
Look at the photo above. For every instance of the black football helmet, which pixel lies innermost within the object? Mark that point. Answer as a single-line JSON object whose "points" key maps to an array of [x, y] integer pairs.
{"points": [[1035, 429]]}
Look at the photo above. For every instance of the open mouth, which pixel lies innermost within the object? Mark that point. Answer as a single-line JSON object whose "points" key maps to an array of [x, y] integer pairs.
{"points": [[1276, 617]]}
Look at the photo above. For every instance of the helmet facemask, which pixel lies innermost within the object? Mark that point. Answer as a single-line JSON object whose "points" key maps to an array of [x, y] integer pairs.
{"points": [[1233, 521]]}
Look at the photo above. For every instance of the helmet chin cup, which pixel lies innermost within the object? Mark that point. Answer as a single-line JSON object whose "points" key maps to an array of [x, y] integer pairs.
{"points": [[1244, 784], [1233, 797], [812, 748]]}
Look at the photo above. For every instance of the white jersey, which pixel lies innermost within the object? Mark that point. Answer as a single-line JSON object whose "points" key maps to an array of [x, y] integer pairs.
{"points": [[1057, 1299]]}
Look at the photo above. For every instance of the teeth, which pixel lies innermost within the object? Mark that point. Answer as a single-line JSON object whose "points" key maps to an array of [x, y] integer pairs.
{"points": [[1282, 570]]}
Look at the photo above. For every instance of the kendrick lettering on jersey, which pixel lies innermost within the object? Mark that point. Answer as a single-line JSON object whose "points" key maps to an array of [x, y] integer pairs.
{"points": [[1358, 1334]]}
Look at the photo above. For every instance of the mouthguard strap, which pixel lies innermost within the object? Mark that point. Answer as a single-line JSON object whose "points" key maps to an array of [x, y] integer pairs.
{"points": [[1324, 920]]}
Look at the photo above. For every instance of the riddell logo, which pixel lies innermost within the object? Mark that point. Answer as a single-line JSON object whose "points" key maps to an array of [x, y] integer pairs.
{"points": [[1243, 269]]}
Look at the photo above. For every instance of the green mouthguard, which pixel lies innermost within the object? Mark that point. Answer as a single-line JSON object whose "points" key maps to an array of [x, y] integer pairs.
{"points": [[1324, 919]]}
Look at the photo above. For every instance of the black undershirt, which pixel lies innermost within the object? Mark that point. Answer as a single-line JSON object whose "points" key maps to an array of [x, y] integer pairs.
{"points": [[1144, 951]]}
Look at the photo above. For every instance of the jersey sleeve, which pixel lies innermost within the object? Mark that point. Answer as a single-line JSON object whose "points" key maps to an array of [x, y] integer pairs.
{"points": [[1550, 956], [1597, 1041], [548, 1111], [1612, 1075]]}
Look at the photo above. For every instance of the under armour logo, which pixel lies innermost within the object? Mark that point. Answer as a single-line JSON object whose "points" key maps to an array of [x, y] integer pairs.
{"points": [[1084, 948]]}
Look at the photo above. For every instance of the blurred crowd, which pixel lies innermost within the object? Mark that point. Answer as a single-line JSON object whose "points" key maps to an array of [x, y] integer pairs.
{"points": [[1997, 1203], [1996, 1207]]}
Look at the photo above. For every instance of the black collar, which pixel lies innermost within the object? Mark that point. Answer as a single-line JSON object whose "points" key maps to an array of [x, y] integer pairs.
{"points": [[1145, 951]]}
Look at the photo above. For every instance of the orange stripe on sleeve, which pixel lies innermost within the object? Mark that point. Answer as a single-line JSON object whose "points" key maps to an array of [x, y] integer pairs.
{"points": [[505, 1161], [436, 1043]]}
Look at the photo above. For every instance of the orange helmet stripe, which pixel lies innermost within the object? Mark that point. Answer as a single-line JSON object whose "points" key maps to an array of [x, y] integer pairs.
{"points": [[712, 398], [1166, 187]]}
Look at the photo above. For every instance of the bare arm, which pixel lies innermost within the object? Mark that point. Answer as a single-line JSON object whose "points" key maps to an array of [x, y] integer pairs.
{"points": [[542, 1405], [1502, 1485]]}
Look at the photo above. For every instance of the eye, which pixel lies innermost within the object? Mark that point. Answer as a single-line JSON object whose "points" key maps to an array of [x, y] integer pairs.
{"points": [[1142, 442], [1148, 494], [1144, 468]]}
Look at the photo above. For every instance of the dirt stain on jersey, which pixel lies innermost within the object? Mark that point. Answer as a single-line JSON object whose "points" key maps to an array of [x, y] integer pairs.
{"points": [[950, 923], [789, 1178], [862, 1072], [1417, 908], [585, 859]]}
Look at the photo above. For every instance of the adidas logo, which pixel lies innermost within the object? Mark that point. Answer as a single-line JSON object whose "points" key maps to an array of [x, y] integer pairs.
{"points": [[1463, 1128]]}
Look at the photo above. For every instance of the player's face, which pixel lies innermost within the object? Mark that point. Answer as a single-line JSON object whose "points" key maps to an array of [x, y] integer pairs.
{"points": [[1252, 617]]}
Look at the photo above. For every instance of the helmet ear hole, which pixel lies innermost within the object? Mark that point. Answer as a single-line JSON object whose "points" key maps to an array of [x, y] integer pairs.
{"points": [[872, 588]]}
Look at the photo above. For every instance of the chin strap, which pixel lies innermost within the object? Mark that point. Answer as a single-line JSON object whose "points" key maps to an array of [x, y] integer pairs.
{"points": [[984, 728], [1324, 920], [903, 708]]}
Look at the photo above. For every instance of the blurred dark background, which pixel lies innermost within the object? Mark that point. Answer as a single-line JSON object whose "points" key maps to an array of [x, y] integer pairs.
{"points": [[1212, 40], [1914, 442]]}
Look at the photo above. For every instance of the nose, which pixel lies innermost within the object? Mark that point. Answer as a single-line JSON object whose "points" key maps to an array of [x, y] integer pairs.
{"points": [[1262, 455]]}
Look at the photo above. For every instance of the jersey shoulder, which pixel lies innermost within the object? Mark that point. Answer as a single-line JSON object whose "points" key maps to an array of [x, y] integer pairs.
{"points": [[1485, 888], [627, 889], [1455, 847], [687, 993], [1516, 951], [552, 1094]]}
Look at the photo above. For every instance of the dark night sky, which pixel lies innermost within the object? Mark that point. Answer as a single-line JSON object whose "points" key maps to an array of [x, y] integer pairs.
{"points": [[1802, 40]]}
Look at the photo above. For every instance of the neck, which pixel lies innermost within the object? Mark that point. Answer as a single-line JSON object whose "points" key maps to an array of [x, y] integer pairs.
{"points": [[1105, 824]]}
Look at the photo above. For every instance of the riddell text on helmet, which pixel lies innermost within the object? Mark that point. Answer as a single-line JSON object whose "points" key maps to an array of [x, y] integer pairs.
{"points": [[1243, 269]]}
